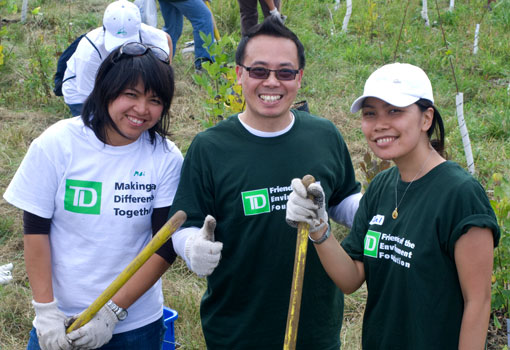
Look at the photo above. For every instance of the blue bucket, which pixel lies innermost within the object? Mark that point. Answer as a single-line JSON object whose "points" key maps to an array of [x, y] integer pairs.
{"points": [[169, 316]]}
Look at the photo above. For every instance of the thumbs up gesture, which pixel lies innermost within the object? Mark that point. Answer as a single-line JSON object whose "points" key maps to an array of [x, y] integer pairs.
{"points": [[202, 251]]}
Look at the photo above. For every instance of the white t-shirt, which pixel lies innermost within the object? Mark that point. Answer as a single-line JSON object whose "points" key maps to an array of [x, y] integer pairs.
{"points": [[100, 200], [85, 61]]}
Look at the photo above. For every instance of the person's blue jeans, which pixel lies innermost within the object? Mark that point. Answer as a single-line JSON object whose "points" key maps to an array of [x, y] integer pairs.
{"points": [[75, 108], [149, 337], [197, 12]]}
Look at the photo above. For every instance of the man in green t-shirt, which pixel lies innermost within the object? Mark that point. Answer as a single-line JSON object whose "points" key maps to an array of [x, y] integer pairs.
{"points": [[235, 183]]}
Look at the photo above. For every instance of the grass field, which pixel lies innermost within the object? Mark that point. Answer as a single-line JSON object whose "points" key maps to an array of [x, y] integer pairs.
{"points": [[338, 63]]}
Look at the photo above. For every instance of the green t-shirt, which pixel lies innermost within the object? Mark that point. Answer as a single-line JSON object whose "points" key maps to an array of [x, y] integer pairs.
{"points": [[244, 182], [414, 296]]}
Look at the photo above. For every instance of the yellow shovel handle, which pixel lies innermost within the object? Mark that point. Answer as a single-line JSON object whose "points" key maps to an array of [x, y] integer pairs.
{"points": [[216, 32], [156, 242], [297, 279]]}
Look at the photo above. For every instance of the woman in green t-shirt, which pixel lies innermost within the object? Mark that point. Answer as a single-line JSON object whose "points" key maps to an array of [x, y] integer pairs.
{"points": [[424, 234]]}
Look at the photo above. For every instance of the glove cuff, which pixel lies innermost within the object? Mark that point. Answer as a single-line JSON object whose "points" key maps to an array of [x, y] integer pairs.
{"points": [[318, 227], [323, 238], [45, 306], [45, 311], [274, 11], [188, 244], [118, 311], [292, 223], [109, 314]]}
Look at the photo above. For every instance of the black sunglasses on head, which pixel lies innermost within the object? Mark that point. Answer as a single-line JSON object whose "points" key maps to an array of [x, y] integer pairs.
{"points": [[263, 73], [139, 49]]}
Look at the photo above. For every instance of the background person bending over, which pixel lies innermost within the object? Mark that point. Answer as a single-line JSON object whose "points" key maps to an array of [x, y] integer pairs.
{"points": [[424, 233], [121, 24], [236, 176], [250, 14], [94, 189]]}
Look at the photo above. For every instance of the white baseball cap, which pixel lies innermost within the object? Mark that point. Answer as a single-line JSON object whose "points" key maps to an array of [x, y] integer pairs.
{"points": [[399, 84], [121, 22]]}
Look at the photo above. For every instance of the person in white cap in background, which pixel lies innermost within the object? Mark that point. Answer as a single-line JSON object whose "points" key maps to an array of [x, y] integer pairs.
{"points": [[121, 24], [424, 234], [250, 15]]}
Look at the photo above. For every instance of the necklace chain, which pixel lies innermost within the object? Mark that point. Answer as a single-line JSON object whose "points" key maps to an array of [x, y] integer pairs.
{"points": [[394, 215]]}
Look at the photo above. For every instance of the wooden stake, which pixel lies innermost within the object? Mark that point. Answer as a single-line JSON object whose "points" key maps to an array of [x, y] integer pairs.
{"points": [[347, 16], [475, 45], [424, 12], [24, 11], [459, 102]]}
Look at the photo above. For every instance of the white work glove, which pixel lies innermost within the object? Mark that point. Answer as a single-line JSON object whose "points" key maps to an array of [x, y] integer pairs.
{"points": [[302, 209], [50, 326], [5, 273], [97, 332], [202, 251], [277, 15]]}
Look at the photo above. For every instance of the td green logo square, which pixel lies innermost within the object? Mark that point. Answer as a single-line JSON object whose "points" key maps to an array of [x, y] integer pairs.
{"points": [[372, 243], [83, 197], [256, 202]]}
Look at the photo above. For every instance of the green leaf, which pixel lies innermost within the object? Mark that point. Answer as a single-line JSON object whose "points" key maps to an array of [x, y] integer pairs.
{"points": [[497, 324]]}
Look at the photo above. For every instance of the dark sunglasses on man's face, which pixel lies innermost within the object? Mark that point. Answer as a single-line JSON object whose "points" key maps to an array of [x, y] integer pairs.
{"points": [[263, 73], [139, 49]]}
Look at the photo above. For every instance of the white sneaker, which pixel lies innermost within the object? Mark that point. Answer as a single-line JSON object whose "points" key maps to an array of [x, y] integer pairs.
{"points": [[188, 49]]}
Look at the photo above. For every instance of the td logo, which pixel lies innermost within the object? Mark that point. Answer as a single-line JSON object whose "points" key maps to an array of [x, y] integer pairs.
{"points": [[256, 202], [83, 197], [372, 243]]}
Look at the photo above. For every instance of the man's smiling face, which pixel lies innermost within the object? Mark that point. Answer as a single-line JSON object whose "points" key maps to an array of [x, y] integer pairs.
{"points": [[269, 98]]}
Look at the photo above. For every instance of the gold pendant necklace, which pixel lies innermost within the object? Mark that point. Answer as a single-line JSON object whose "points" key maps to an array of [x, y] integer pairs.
{"points": [[394, 214]]}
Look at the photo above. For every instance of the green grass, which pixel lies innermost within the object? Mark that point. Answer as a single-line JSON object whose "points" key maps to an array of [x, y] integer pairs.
{"points": [[338, 63]]}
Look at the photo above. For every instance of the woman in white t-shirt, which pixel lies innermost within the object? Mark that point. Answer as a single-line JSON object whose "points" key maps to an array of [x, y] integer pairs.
{"points": [[94, 189]]}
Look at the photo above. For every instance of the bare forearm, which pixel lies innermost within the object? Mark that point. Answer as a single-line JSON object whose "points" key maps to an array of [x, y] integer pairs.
{"points": [[38, 265], [346, 273], [270, 4], [170, 48], [473, 258], [475, 323], [141, 281]]}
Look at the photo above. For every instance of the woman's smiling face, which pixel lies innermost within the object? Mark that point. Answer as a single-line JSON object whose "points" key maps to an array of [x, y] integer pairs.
{"points": [[133, 112], [392, 132]]}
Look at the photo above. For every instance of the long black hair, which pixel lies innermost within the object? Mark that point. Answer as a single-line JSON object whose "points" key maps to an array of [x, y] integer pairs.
{"points": [[119, 72], [436, 130]]}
